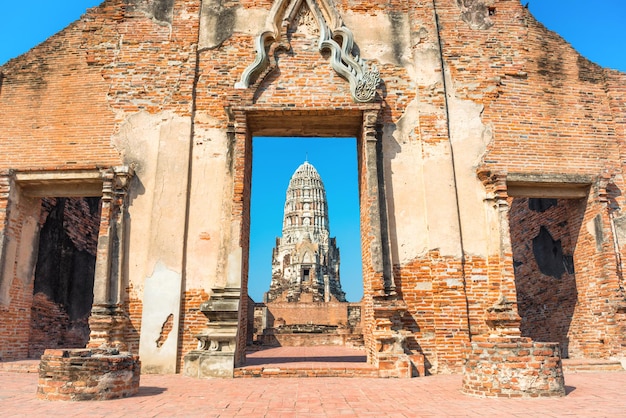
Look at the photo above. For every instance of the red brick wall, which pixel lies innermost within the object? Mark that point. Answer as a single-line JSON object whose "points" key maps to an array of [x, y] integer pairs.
{"points": [[575, 305], [192, 321], [550, 111]]}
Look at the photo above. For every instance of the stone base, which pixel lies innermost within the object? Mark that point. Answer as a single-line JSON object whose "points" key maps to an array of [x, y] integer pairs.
{"points": [[512, 368], [206, 364], [87, 374], [307, 340]]}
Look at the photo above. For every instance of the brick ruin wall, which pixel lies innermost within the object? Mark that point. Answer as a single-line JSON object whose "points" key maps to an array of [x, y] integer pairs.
{"points": [[535, 94]]}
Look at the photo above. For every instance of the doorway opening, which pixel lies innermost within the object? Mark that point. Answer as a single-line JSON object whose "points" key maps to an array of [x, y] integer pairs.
{"points": [[64, 273], [547, 255], [305, 260]]}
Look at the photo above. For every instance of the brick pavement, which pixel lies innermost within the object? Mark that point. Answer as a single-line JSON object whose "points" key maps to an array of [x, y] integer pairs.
{"points": [[589, 395]]}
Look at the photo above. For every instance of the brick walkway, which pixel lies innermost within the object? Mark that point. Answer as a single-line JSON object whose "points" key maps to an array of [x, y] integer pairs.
{"points": [[589, 395]]}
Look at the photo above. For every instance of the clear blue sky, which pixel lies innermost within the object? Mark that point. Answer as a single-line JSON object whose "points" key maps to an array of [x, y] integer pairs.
{"points": [[597, 29]]}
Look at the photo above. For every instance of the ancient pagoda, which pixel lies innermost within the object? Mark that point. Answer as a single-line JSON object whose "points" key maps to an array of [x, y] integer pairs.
{"points": [[305, 261]]}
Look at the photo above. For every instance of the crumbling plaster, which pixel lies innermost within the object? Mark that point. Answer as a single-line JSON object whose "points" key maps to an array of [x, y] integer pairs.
{"points": [[382, 37], [470, 138], [158, 146], [206, 207], [160, 300]]}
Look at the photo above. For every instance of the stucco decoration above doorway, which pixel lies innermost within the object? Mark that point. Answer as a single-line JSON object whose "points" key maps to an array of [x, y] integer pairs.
{"points": [[334, 38]]}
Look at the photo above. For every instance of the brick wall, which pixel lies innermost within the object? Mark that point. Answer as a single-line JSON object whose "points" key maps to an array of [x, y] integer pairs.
{"points": [[192, 322], [548, 109], [544, 233]]}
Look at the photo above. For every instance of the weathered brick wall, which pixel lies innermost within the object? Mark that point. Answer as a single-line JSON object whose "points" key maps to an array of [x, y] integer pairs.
{"points": [[510, 97], [192, 322]]}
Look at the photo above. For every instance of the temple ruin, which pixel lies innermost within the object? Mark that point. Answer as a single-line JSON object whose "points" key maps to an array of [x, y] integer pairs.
{"points": [[490, 168], [305, 304]]}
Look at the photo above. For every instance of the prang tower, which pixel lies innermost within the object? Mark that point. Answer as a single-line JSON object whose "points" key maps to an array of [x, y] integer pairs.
{"points": [[305, 261]]}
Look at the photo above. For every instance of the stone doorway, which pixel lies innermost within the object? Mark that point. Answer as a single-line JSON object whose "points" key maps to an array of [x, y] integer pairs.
{"points": [[52, 253], [360, 122]]}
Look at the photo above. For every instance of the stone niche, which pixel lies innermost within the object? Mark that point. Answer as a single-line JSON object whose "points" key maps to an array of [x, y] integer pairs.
{"points": [[88, 374], [504, 364]]}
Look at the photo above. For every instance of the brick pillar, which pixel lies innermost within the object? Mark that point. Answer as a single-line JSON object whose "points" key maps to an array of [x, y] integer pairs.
{"points": [[108, 320], [609, 293]]}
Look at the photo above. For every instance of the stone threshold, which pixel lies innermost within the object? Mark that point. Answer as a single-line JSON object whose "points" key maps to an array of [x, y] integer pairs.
{"points": [[592, 365], [311, 371]]}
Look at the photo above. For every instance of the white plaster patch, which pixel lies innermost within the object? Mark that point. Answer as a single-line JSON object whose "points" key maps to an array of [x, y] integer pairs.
{"points": [[443, 225], [161, 298], [206, 223], [249, 21], [427, 66], [470, 138], [454, 282], [406, 203], [591, 228], [157, 145], [424, 286], [372, 34]]}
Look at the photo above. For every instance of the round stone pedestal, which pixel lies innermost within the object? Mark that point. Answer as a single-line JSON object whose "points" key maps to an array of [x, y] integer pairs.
{"points": [[512, 368], [87, 374]]}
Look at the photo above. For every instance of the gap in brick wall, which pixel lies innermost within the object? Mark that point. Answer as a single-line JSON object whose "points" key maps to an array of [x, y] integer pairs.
{"points": [[275, 159], [64, 273], [546, 240]]}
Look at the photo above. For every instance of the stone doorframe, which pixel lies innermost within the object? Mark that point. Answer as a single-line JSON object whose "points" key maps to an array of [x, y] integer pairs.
{"points": [[499, 186], [111, 185], [359, 121]]}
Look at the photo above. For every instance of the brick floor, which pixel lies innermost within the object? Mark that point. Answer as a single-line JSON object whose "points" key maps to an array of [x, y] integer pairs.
{"points": [[589, 395]]}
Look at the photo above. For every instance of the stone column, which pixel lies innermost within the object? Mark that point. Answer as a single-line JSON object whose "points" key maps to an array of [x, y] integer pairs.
{"points": [[5, 189], [107, 321], [215, 355], [611, 288], [380, 252], [498, 208]]}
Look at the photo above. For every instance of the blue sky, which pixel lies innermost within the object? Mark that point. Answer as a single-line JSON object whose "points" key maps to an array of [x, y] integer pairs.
{"points": [[595, 29]]}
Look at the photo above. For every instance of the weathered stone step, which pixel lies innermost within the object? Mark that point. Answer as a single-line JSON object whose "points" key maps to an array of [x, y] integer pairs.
{"points": [[592, 365], [276, 371], [20, 366]]}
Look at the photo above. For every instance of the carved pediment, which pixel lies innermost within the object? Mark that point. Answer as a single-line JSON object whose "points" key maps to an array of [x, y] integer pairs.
{"points": [[321, 19]]}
